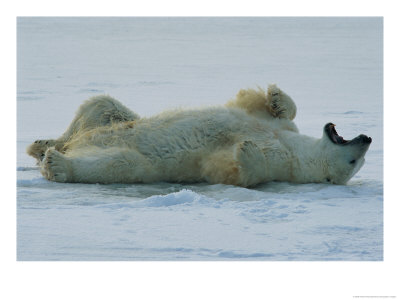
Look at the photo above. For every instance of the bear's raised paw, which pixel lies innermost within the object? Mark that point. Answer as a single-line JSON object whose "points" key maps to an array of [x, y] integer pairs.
{"points": [[280, 104]]}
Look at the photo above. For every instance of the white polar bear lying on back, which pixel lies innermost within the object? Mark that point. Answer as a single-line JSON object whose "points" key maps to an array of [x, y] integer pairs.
{"points": [[250, 140]]}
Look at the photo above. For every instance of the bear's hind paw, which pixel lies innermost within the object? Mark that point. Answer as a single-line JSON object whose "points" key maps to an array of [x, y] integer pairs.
{"points": [[55, 166], [39, 147]]}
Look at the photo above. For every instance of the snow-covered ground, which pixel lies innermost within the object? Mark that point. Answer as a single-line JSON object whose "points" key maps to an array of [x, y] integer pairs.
{"points": [[332, 68]]}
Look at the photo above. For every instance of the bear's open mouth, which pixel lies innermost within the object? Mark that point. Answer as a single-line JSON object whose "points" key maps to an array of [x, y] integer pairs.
{"points": [[333, 135]]}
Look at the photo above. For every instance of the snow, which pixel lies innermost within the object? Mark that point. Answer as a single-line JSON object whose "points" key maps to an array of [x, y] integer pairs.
{"points": [[332, 68]]}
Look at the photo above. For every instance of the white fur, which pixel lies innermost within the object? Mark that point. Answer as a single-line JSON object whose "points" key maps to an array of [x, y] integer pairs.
{"points": [[249, 141]]}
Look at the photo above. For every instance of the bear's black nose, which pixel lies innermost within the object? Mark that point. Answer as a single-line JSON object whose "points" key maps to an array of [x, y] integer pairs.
{"points": [[365, 139]]}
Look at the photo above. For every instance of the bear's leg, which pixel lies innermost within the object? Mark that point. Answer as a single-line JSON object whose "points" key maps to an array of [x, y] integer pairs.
{"points": [[97, 165], [279, 104], [96, 112], [244, 164]]}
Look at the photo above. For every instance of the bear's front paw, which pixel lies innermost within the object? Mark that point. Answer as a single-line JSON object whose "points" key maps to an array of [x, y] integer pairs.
{"points": [[280, 104], [252, 163], [55, 166], [249, 155]]}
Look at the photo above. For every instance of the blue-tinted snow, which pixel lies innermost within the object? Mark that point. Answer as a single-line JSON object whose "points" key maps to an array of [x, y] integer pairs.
{"points": [[331, 67]]}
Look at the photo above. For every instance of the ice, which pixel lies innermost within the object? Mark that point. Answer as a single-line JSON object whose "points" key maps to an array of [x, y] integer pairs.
{"points": [[331, 67]]}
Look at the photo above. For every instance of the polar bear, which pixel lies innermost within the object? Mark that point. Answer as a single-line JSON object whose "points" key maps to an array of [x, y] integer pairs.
{"points": [[250, 140]]}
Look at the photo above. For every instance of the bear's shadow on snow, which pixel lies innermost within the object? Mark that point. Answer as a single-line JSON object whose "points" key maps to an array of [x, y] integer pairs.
{"points": [[313, 191]]}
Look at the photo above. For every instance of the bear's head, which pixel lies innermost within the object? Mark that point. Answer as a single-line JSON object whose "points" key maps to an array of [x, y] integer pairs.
{"points": [[343, 157]]}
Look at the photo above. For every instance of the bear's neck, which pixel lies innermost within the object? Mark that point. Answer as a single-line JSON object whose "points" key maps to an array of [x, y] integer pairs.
{"points": [[305, 163]]}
